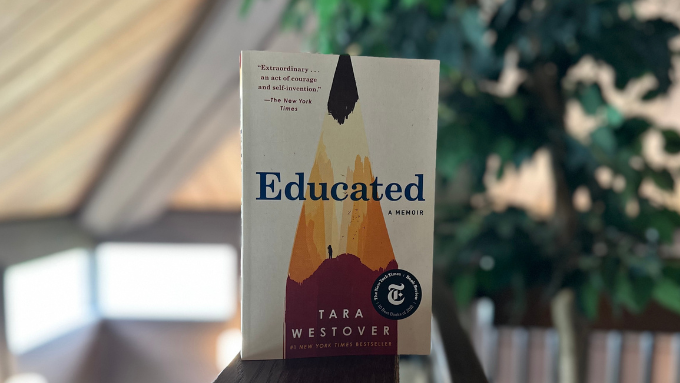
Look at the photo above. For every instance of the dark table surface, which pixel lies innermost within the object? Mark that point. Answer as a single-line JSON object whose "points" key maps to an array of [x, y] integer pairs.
{"points": [[377, 369]]}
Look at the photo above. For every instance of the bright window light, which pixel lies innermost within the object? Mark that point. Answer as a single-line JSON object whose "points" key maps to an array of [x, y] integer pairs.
{"points": [[46, 298], [26, 378], [228, 346], [167, 281]]}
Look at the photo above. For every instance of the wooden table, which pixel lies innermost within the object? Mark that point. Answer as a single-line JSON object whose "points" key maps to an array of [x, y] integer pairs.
{"points": [[464, 367], [376, 369]]}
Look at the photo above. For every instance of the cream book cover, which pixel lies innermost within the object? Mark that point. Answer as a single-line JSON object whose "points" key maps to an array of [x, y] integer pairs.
{"points": [[338, 161]]}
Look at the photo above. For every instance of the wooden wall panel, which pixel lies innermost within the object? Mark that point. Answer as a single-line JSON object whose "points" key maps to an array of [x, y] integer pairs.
{"points": [[13, 14], [216, 185], [70, 81]]}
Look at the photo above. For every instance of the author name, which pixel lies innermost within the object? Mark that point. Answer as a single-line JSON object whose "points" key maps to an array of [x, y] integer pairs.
{"points": [[339, 330]]}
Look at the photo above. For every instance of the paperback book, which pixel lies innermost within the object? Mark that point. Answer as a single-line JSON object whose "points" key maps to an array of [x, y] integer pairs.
{"points": [[338, 162]]}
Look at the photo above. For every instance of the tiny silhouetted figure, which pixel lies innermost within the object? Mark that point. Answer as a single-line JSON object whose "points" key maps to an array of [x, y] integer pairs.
{"points": [[330, 252]]}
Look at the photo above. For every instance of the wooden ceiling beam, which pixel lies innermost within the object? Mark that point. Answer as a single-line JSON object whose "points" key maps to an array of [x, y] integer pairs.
{"points": [[182, 122]]}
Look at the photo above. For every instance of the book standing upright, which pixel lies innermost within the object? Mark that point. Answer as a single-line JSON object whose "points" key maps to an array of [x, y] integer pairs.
{"points": [[338, 161]]}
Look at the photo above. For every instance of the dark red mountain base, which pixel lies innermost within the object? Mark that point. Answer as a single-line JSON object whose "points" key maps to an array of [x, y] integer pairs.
{"points": [[343, 285]]}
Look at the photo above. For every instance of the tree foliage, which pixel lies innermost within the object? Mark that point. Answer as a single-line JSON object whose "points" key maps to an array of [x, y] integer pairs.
{"points": [[604, 250]]}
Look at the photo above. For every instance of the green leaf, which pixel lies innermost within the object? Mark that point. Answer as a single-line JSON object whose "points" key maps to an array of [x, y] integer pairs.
{"points": [[516, 108], [614, 117], [664, 221], [654, 93], [454, 148], [589, 295], [630, 132], [672, 139], [672, 272], [449, 47], [662, 178], [326, 10], [521, 155], [591, 99], [625, 293], [409, 3], [245, 7], [464, 289], [634, 291], [604, 139], [643, 289], [610, 267], [436, 7], [505, 148], [667, 294]]}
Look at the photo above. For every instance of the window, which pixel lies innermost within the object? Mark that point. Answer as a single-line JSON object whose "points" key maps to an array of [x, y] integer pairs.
{"points": [[53, 295], [167, 281], [47, 297]]}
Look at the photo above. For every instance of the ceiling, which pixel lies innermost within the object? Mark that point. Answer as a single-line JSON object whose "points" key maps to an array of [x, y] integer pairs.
{"points": [[75, 75], [72, 75], [216, 185]]}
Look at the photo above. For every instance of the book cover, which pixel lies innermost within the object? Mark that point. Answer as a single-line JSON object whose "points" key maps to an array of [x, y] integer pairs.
{"points": [[338, 161]]}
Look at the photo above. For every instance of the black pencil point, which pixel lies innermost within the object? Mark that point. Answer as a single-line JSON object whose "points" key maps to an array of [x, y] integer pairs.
{"points": [[343, 95]]}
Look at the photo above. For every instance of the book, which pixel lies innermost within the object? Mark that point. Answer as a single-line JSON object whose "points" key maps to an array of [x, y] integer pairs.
{"points": [[338, 164]]}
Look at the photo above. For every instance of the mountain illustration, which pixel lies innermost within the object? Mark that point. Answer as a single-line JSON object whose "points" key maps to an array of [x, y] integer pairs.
{"points": [[343, 282], [340, 247]]}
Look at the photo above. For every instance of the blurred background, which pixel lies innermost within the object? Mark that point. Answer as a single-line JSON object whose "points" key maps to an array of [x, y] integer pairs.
{"points": [[557, 208]]}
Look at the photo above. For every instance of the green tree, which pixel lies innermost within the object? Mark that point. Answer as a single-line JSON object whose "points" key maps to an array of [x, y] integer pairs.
{"points": [[575, 257]]}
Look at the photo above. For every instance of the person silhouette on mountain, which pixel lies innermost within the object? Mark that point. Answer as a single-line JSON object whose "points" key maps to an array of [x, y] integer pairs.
{"points": [[330, 252]]}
